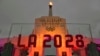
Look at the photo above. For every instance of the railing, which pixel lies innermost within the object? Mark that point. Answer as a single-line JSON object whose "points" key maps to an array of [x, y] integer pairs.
{"points": [[27, 28]]}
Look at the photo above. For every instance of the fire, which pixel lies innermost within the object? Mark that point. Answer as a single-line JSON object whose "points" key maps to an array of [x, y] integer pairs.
{"points": [[50, 3]]}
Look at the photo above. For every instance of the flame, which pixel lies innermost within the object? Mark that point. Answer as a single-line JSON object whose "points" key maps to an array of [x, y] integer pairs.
{"points": [[50, 3]]}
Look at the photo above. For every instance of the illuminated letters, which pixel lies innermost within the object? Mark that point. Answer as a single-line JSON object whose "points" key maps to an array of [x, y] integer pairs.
{"points": [[57, 41], [48, 39], [32, 37], [70, 39], [19, 41]]}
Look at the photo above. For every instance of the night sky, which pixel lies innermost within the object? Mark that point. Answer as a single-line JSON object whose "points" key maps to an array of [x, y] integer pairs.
{"points": [[25, 11]]}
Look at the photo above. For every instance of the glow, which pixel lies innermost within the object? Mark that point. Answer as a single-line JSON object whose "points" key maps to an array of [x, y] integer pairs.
{"points": [[40, 49], [50, 3]]}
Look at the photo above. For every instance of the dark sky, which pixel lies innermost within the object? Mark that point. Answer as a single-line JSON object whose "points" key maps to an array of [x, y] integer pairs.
{"points": [[25, 11]]}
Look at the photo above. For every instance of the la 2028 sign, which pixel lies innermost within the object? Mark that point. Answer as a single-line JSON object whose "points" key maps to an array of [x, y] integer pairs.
{"points": [[79, 40]]}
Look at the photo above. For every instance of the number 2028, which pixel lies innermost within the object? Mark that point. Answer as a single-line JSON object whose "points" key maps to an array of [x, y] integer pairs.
{"points": [[79, 41]]}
